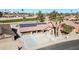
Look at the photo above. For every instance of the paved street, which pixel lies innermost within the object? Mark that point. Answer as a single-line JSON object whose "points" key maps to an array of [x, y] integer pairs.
{"points": [[70, 45]]}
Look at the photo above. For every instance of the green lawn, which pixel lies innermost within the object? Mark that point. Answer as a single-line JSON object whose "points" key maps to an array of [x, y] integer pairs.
{"points": [[18, 20]]}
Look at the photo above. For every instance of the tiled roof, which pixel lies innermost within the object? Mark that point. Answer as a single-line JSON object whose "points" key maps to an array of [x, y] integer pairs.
{"points": [[41, 26]]}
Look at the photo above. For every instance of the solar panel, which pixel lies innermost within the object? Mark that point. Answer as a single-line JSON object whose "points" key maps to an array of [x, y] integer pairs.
{"points": [[30, 24], [41, 23], [27, 25]]}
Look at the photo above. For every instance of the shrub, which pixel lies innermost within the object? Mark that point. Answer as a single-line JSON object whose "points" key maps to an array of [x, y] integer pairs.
{"points": [[67, 29]]}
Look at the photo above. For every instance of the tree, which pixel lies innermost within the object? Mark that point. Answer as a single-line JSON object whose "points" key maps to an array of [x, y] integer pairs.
{"points": [[76, 17], [40, 16], [1, 14], [67, 14], [23, 13], [22, 10], [56, 17], [71, 11], [60, 17], [53, 16]]}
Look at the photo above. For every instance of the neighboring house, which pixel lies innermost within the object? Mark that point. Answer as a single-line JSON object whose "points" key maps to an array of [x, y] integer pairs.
{"points": [[10, 15], [76, 26], [34, 27], [71, 17]]}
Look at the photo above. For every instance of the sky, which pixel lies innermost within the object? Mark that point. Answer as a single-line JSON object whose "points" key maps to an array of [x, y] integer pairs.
{"points": [[39, 4], [43, 10], [46, 6]]}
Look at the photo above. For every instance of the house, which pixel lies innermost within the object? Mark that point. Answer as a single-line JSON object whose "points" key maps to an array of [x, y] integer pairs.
{"points": [[35, 27], [71, 17]]}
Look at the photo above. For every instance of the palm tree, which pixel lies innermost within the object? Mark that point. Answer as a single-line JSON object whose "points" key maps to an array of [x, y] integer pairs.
{"points": [[56, 17], [22, 10], [71, 11], [40, 16], [23, 13]]}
